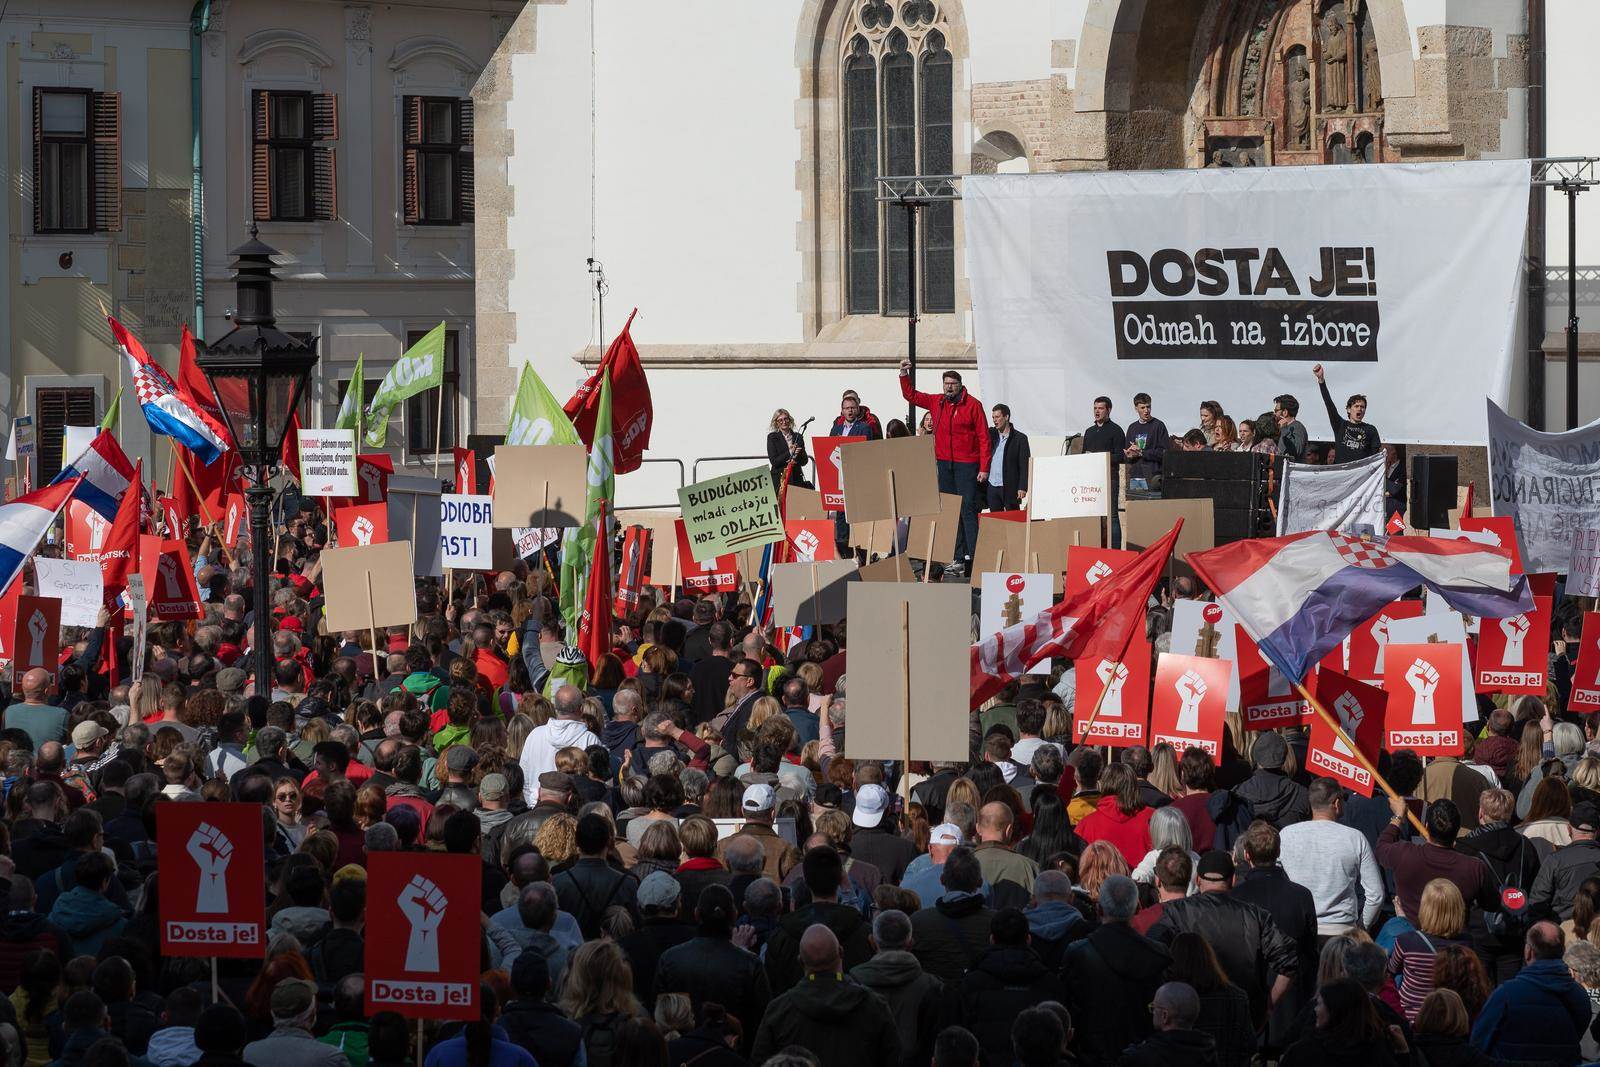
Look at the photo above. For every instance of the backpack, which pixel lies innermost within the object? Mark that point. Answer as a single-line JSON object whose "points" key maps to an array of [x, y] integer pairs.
{"points": [[600, 1038], [1511, 922]]}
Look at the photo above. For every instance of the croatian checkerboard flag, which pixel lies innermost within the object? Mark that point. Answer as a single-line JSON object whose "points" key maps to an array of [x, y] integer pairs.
{"points": [[164, 409], [24, 521], [106, 474], [1299, 596]]}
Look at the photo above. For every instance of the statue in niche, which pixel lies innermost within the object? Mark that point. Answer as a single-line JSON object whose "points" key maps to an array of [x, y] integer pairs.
{"points": [[1371, 91], [1297, 98], [1335, 38]]}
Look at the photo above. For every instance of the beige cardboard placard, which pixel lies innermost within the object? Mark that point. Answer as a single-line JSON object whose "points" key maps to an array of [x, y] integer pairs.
{"points": [[926, 690], [1149, 520], [802, 503], [540, 485], [875, 538], [1003, 546], [811, 594], [369, 586], [868, 466], [943, 528], [889, 569]]}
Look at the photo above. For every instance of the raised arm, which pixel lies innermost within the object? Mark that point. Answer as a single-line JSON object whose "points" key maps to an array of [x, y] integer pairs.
{"points": [[922, 400], [1335, 419]]}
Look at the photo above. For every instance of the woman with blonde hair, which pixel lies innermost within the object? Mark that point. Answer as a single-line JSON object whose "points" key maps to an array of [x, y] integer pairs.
{"points": [[963, 791], [557, 840], [763, 709], [597, 994], [786, 450], [1441, 922], [1164, 772]]}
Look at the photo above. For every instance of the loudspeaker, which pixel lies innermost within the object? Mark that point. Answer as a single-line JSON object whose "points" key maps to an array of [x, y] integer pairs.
{"points": [[1433, 491], [1234, 482]]}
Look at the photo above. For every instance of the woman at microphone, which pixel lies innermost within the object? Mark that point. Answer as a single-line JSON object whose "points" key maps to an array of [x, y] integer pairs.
{"points": [[785, 444]]}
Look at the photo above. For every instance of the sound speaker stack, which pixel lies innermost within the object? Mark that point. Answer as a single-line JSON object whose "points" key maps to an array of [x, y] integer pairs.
{"points": [[1234, 482], [1433, 491]]}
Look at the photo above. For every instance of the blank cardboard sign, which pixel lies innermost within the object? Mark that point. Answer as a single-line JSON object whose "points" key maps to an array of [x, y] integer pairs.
{"points": [[811, 594], [889, 569], [868, 467], [369, 586], [802, 503], [1149, 520], [540, 485], [1047, 553], [939, 620], [941, 526]]}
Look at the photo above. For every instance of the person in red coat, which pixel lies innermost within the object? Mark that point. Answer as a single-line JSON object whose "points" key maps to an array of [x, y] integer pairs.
{"points": [[961, 448], [1119, 817]]}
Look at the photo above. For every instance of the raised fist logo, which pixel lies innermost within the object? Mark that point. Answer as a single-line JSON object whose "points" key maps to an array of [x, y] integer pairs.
{"points": [[373, 477], [97, 530], [1113, 676], [422, 903], [211, 851], [838, 462], [806, 544], [1516, 630], [1191, 690], [167, 573], [1100, 570], [37, 625], [1380, 634], [1350, 713], [362, 530], [1423, 678]]}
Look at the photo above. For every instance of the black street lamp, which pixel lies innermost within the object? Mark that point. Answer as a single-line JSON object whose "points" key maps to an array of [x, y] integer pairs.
{"points": [[258, 373]]}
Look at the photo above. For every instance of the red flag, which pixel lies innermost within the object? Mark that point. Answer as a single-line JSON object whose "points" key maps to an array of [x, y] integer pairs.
{"points": [[1395, 524], [290, 457], [1466, 504], [466, 463], [630, 578], [1098, 622], [194, 388], [215, 482], [631, 413], [119, 553], [594, 623]]}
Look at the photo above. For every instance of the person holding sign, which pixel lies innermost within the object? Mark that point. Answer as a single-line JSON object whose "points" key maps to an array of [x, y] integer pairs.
{"points": [[960, 450]]}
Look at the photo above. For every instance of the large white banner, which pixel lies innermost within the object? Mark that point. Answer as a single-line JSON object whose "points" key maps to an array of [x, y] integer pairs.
{"points": [[1229, 284], [1549, 483], [1339, 496]]}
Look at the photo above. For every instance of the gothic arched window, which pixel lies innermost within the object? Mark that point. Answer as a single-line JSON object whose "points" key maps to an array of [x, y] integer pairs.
{"points": [[898, 83]]}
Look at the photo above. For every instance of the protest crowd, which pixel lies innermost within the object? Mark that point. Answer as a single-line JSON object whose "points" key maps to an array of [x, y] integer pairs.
{"points": [[677, 863]]}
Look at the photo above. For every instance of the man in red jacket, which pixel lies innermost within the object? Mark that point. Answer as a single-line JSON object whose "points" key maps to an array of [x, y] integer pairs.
{"points": [[961, 447]]}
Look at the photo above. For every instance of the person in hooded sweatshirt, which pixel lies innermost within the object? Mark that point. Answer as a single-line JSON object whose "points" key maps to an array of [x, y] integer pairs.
{"points": [[1053, 921], [823, 870], [842, 1023], [1112, 975], [916, 998], [1175, 1043], [566, 729], [175, 1043], [84, 913], [1268, 793], [305, 917], [1005, 981]]}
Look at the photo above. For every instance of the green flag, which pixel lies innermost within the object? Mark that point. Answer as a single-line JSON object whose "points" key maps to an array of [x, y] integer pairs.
{"points": [[354, 399], [421, 368], [110, 421], [577, 543], [536, 415]]}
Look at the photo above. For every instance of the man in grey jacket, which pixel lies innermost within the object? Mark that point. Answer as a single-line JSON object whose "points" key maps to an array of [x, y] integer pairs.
{"points": [[1560, 876], [914, 996], [294, 1017]]}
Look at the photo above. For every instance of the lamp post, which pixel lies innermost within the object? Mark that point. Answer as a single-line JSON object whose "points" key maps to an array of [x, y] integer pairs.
{"points": [[258, 373]]}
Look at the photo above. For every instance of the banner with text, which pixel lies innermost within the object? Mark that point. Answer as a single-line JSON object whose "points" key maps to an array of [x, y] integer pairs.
{"points": [[1548, 482], [1219, 283], [1339, 496]]}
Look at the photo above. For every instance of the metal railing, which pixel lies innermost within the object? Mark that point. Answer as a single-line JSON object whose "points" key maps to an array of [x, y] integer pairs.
{"points": [[658, 507], [731, 459]]}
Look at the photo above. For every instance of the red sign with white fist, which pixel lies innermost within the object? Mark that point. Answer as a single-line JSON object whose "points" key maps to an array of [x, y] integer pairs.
{"points": [[1359, 708], [1514, 652], [1267, 698], [423, 934], [830, 471], [362, 524], [1088, 567], [1190, 702], [213, 880], [1369, 641], [1423, 712], [1125, 711], [810, 540], [1586, 672]]}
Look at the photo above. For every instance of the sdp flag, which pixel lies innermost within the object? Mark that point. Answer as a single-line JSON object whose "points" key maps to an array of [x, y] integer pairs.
{"points": [[631, 413]]}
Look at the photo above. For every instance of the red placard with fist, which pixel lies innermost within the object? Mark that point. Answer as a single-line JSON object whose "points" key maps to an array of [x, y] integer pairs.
{"points": [[1125, 711], [1087, 567], [1267, 699], [1423, 712], [363, 524], [1369, 640], [830, 472], [1514, 652], [423, 934], [811, 540], [1586, 672], [213, 880], [719, 574], [36, 635], [1360, 708], [1190, 701], [233, 519]]}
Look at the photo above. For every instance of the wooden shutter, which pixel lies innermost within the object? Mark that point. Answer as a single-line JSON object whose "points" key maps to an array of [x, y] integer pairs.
{"points": [[55, 410], [324, 184], [38, 161], [325, 117], [107, 162], [466, 177], [260, 161], [410, 177]]}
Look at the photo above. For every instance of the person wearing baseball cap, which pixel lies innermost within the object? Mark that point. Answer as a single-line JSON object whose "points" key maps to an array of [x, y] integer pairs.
{"points": [[757, 805], [1556, 886], [923, 876], [876, 839], [294, 1019], [1255, 954]]}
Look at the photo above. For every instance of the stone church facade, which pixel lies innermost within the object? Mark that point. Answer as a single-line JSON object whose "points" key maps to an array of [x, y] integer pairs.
{"points": [[765, 268]]}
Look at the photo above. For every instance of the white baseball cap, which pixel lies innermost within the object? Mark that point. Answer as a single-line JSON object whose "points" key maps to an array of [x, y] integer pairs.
{"points": [[871, 802], [946, 833], [758, 798]]}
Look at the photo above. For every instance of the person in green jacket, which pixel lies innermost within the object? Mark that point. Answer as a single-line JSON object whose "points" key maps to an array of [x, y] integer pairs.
{"points": [[349, 1034]]}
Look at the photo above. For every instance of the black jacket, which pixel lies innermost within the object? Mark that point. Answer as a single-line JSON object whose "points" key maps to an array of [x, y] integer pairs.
{"points": [[1225, 1015], [714, 969], [948, 938], [1321, 1049], [885, 850], [701, 1049], [1004, 982], [1440, 1051], [1561, 875], [538, 1026], [842, 1023], [1249, 945], [1515, 862], [1294, 912], [590, 886], [783, 950], [1111, 976], [778, 458], [916, 1001], [1014, 464], [653, 936], [133, 1023], [1172, 1048]]}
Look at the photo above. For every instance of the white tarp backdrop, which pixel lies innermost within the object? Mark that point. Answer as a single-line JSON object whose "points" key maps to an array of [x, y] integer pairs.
{"points": [[1338, 496], [1228, 284], [1549, 483]]}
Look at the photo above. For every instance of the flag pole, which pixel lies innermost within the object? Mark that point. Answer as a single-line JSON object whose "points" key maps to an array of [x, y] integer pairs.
{"points": [[183, 465], [1361, 757], [438, 428]]}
